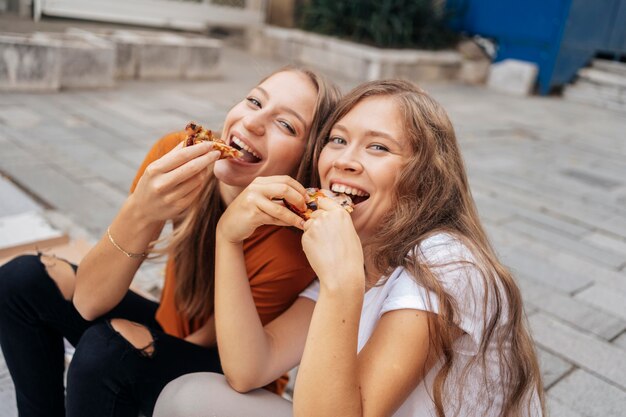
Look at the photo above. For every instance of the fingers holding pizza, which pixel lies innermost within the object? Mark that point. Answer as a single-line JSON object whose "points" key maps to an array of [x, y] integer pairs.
{"points": [[171, 184], [329, 240], [261, 203], [313, 195]]}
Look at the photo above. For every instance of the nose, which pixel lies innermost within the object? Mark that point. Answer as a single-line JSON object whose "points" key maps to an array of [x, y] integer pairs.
{"points": [[348, 161], [255, 123]]}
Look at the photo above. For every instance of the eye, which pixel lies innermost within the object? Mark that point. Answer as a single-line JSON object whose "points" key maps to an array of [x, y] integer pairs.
{"points": [[336, 140], [378, 147], [254, 102], [287, 126]]}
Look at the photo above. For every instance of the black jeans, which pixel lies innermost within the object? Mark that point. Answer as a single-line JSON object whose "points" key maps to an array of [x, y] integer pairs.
{"points": [[108, 376]]}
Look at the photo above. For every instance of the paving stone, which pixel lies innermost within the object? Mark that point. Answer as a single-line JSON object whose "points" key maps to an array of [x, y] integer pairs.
{"points": [[18, 117], [8, 407], [553, 221], [608, 258], [602, 240], [13, 154], [592, 179], [14, 200], [133, 157], [535, 268], [527, 194], [576, 313], [620, 341], [93, 211], [558, 409], [605, 298], [590, 395], [491, 209], [553, 368], [588, 352], [111, 194]]}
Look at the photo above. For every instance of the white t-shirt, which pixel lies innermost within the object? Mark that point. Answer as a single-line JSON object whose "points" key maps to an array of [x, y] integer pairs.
{"points": [[465, 284]]}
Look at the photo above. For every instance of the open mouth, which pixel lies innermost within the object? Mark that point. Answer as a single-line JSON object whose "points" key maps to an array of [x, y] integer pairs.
{"points": [[249, 154], [356, 195]]}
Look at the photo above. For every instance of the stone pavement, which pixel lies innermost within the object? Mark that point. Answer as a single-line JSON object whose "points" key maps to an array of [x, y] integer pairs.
{"points": [[549, 177]]}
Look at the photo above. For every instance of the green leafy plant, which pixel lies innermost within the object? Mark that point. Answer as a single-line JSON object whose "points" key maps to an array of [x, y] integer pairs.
{"points": [[383, 23]]}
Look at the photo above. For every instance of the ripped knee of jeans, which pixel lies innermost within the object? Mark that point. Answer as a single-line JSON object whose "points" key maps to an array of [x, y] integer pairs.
{"points": [[138, 335], [61, 272]]}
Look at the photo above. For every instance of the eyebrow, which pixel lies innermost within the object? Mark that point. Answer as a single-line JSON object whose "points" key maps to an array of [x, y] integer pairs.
{"points": [[374, 133], [285, 109]]}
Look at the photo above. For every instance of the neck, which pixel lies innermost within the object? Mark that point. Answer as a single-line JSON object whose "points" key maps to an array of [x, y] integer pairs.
{"points": [[372, 275], [228, 192]]}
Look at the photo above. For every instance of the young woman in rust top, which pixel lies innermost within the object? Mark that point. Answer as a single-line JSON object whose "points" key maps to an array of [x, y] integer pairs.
{"points": [[128, 347]]}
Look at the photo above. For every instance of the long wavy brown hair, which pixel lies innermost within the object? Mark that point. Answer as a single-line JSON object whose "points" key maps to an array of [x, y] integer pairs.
{"points": [[192, 244], [432, 195]]}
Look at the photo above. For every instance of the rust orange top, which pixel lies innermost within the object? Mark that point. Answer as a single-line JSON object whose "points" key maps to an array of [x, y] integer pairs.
{"points": [[277, 267]]}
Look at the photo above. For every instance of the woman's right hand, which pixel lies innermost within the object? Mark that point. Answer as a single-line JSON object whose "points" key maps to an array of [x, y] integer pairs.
{"points": [[170, 184], [260, 203]]}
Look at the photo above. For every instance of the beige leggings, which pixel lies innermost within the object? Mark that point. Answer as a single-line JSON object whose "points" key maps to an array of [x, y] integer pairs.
{"points": [[205, 394]]}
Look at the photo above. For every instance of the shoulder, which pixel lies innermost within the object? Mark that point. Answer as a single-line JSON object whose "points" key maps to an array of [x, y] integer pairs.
{"points": [[442, 248]]}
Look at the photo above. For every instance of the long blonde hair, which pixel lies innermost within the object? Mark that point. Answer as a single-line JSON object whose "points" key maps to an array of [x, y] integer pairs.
{"points": [[192, 243], [432, 195]]}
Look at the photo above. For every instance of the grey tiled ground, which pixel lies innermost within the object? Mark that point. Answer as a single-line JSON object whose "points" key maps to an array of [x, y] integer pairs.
{"points": [[549, 177]]}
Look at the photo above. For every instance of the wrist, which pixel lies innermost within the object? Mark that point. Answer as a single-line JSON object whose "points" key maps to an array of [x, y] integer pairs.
{"points": [[351, 283], [131, 230], [136, 215], [223, 235]]}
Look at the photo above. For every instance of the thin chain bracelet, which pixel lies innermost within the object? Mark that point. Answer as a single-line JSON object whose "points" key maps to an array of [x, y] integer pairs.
{"points": [[118, 247]]}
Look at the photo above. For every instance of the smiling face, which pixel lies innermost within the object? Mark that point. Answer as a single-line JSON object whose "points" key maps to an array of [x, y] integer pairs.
{"points": [[365, 153], [270, 126]]}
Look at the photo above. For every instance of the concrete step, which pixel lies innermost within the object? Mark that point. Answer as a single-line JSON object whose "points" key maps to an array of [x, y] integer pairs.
{"points": [[48, 61], [602, 77], [614, 67], [603, 85]]}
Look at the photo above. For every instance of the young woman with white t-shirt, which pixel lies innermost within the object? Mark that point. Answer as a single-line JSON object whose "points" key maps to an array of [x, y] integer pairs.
{"points": [[413, 315]]}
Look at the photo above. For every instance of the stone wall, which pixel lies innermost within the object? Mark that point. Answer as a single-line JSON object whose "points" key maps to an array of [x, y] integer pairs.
{"points": [[356, 61], [85, 59]]}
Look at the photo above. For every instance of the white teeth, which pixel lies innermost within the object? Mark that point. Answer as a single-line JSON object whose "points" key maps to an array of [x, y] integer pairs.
{"points": [[340, 188], [242, 145]]}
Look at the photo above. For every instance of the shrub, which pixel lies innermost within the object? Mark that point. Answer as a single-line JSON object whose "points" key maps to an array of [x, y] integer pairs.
{"points": [[383, 23]]}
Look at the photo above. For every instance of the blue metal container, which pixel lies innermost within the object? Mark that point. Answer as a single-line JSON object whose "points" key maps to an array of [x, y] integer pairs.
{"points": [[560, 36]]}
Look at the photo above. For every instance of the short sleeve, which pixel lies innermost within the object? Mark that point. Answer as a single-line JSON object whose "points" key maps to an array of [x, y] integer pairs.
{"points": [[406, 293], [455, 268], [312, 292]]}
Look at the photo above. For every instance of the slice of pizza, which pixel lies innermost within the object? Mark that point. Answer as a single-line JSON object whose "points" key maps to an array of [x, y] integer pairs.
{"points": [[312, 194], [196, 134]]}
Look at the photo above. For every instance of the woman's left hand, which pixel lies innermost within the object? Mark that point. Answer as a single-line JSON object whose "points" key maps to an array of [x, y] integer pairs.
{"points": [[260, 203], [333, 247]]}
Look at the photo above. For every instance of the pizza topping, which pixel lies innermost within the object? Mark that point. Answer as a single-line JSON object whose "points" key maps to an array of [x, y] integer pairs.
{"points": [[197, 134], [311, 202]]}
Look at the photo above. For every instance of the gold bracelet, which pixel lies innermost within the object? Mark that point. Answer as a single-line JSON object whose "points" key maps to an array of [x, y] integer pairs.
{"points": [[118, 247]]}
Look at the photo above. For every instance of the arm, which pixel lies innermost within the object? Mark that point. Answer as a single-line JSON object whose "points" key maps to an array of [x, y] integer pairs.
{"points": [[251, 355], [333, 379], [167, 188]]}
